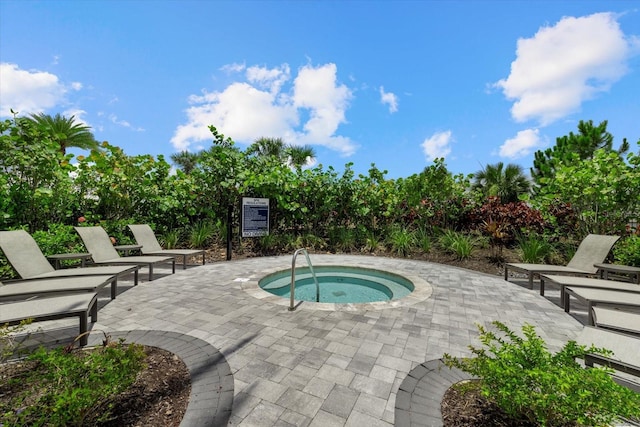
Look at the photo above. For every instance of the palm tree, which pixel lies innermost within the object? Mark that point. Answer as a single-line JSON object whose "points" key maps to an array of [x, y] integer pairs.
{"points": [[66, 132], [186, 161], [300, 156], [268, 147], [496, 180]]}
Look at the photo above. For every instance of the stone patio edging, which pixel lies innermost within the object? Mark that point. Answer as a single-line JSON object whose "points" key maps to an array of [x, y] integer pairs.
{"points": [[211, 397], [421, 392]]}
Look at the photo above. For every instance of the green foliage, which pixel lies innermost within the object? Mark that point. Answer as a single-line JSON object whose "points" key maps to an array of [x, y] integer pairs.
{"points": [[401, 240], [74, 386], [527, 381], [372, 241], [423, 240], [65, 131], [34, 175], [432, 198], [534, 249], [459, 244], [506, 183], [11, 340], [343, 239], [171, 238], [602, 191], [627, 251], [572, 149], [201, 234], [58, 239]]}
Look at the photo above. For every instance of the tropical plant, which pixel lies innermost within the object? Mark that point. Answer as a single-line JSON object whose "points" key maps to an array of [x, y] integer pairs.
{"points": [[507, 183], [627, 251], [268, 147], [201, 234], [528, 382], [401, 240], [66, 132], [573, 148], [602, 191], [300, 156], [534, 249], [186, 161], [171, 238]]}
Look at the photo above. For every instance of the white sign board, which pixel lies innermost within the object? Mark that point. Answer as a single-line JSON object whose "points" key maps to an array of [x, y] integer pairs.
{"points": [[255, 217]]}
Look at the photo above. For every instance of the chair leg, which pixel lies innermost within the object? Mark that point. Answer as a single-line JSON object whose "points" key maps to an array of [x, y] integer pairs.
{"points": [[150, 272], [203, 260], [114, 287], [184, 262], [83, 328]]}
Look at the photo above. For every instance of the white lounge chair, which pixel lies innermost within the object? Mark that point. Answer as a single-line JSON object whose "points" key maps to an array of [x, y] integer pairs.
{"points": [[26, 258], [145, 236], [592, 250], [102, 251], [55, 307]]}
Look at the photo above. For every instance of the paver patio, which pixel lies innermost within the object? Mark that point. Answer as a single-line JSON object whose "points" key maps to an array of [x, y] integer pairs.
{"points": [[320, 367]]}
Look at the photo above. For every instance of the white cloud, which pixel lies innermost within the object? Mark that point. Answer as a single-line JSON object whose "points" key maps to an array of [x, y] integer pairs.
{"points": [[390, 99], [125, 124], [438, 145], [28, 92], [562, 66], [261, 106], [522, 144]]}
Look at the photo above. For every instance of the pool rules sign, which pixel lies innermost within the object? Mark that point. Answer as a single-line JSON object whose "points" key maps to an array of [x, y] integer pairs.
{"points": [[255, 217]]}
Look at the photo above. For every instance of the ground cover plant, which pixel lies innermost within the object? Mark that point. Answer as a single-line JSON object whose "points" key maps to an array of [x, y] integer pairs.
{"points": [[528, 382]]}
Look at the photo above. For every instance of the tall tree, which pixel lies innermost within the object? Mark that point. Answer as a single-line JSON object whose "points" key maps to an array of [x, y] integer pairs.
{"points": [[268, 147], [507, 183], [580, 146], [66, 132], [185, 160], [300, 156]]}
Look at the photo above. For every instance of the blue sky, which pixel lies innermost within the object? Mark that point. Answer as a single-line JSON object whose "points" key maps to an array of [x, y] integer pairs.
{"points": [[395, 83]]}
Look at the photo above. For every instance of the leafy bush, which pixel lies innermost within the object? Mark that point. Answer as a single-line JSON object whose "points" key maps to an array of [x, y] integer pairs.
{"points": [[201, 233], [527, 381], [627, 251], [423, 240], [401, 240], [58, 239], [171, 239], [74, 385], [534, 249], [461, 245]]}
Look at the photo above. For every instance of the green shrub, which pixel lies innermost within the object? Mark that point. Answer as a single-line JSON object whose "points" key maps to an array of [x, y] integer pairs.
{"points": [[423, 240], [74, 386], [461, 245], [401, 240], [534, 249], [372, 241], [343, 238], [524, 379], [171, 238], [201, 234], [58, 239], [627, 251]]}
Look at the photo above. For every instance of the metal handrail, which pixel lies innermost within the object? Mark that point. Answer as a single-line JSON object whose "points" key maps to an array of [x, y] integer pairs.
{"points": [[293, 277]]}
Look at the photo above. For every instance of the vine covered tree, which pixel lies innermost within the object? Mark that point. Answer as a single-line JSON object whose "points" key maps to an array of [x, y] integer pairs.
{"points": [[66, 131], [507, 183], [588, 139]]}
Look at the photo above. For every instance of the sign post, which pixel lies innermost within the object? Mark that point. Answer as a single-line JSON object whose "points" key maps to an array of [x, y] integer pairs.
{"points": [[255, 217]]}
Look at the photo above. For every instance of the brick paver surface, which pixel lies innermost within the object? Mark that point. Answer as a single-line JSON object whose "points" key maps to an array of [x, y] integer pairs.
{"points": [[326, 366]]}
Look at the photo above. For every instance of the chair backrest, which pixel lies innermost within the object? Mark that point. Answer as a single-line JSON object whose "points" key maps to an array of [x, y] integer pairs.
{"points": [[98, 244], [592, 250], [24, 254], [145, 236]]}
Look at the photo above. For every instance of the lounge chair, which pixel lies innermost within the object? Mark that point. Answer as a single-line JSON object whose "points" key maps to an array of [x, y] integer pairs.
{"points": [[585, 282], [626, 322], [55, 307], [26, 258], [145, 236], [592, 250], [57, 285], [592, 297], [102, 251], [625, 354]]}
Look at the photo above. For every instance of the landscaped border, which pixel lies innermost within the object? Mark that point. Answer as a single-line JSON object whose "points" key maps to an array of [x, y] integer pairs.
{"points": [[420, 394], [211, 398]]}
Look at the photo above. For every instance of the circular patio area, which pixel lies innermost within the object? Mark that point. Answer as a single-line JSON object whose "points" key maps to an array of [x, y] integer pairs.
{"points": [[324, 367]]}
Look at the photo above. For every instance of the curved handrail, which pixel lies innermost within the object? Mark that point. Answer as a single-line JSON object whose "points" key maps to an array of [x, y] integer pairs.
{"points": [[293, 277]]}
